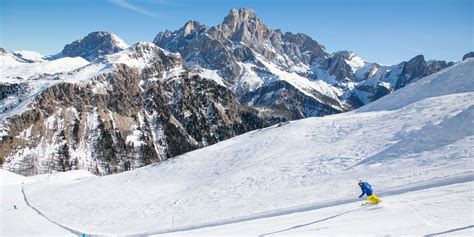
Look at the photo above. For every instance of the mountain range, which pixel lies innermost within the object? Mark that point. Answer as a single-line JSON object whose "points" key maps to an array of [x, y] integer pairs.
{"points": [[106, 106]]}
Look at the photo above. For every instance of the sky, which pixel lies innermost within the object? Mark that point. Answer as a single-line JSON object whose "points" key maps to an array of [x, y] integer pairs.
{"points": [[383, 31]]}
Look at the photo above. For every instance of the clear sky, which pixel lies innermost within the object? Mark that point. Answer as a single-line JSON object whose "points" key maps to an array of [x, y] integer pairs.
{"points": [[384, 31]]}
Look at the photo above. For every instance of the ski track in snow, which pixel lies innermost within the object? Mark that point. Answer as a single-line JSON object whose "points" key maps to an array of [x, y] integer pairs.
{"points": [[253, 224], [315, 206], [24, 221]]}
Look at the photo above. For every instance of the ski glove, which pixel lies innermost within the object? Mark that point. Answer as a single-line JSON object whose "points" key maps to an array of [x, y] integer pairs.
{"points": [[361, 195]]}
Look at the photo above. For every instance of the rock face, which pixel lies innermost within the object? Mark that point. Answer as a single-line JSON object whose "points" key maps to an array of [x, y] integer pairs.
{"points": [[134, 115], [94, 46], [249, 57], [236, 48]]}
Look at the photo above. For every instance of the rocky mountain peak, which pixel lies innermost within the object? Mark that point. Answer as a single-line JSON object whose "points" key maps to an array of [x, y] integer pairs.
{"points": [[191, 27], [415, 66], [240, 15], [417, 60], [243, 25], [94, 46]]}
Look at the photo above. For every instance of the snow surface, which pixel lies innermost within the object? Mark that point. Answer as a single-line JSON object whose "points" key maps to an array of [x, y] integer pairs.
{"points": [[420, 212], [25, 221], [15, 71], [210, 74], [31, 56], [129, 57], [416, 151], [119, 42], [355, 62]]}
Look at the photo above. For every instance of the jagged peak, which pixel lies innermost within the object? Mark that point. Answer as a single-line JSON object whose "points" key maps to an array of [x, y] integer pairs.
{"points": [[416, 59], [244, 13], [237, 16], [192, 26]]}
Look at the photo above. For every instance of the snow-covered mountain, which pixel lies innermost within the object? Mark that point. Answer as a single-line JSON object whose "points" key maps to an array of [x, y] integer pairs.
{"points": [[414, 146], [122, 111], [284, 74], [109, 107]]}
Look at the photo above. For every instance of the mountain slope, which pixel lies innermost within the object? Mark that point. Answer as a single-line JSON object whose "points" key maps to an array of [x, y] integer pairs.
{"points": [[401, 142], [132, 108]]}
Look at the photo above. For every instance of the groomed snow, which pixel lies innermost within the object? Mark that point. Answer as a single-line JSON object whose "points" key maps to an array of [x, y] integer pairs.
{"points": [[426, 212], [420, 143], [25, 221]]}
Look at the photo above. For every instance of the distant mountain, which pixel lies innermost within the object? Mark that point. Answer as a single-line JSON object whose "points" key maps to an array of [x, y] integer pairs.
{"points": [[94, 46], [253, 59]]}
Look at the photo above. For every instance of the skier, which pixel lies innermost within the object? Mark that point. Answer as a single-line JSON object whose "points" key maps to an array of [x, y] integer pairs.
{"points": [[367, 190], [14, 206]]}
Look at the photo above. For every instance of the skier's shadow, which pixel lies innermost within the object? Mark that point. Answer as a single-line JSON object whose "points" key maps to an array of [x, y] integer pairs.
{"points": [[310, 223]]}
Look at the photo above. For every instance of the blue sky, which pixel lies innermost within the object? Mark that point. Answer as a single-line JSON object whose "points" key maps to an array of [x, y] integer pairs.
{"points": [[388, 31]]}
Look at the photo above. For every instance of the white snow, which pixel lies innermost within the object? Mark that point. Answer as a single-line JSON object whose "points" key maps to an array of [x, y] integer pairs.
{"points": [[323, 74], [129, 57], [119, 42], [413, 146], [355, 62], [9, 178], [210, 74], [25, 221], [14, 71], [31, 56], [423, 212], [249, 79]]}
